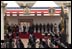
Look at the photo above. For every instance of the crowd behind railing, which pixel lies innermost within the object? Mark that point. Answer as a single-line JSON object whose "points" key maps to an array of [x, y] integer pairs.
{"points": [[56, 39]]}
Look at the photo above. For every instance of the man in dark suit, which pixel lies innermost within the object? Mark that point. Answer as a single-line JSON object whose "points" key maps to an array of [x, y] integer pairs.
{"points": [[48, 27], [40, 28], [24, 29], [33, 26], [59, 27], [9, 40], [44, 27], [62, 37], [32, 40], [19, 43], [9, 28], [17, 30], [36, 28], [30, 29], [51, 27], [43, 44]]}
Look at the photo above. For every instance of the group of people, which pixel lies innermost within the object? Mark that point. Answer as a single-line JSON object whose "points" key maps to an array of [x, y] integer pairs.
{"points": [[34, 28], [52, 42], [33, 42]]}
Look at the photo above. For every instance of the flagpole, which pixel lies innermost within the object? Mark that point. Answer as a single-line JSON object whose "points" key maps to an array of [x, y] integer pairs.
{"points": [[62, 18], [63, 23]]}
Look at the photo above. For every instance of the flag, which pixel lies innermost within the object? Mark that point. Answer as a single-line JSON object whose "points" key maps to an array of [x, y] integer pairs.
{"points": [[62, 12]]}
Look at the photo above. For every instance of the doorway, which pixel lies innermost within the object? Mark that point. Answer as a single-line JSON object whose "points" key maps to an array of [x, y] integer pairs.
{"points": [[26, 22]]}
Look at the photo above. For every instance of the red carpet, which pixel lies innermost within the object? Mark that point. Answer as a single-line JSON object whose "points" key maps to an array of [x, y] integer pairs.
{"points": [[22, 35]]}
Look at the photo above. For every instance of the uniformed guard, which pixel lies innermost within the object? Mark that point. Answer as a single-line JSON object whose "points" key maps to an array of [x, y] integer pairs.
{"points": [[33, 27], [36, 28], [51, 27], [44, 27], [40, 28], [48, 27]]}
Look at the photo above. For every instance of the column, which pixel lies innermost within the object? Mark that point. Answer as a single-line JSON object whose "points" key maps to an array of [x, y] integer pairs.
{"points": [[69, 25], [2, 20]]}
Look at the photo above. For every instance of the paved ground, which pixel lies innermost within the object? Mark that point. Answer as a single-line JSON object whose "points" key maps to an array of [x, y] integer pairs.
{"points": [[25, 42]]}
